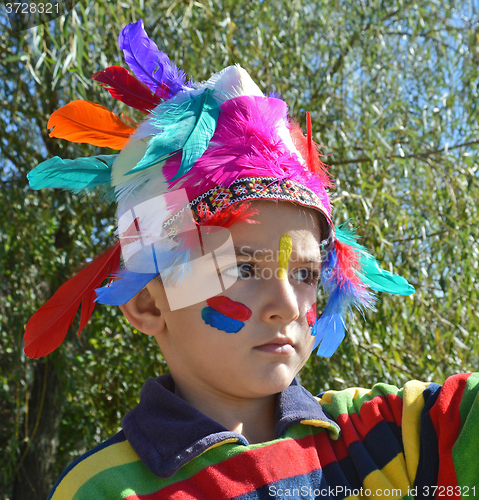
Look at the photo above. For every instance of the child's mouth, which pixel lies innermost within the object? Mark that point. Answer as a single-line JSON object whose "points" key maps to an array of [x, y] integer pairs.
{"points": [[280, 347]]}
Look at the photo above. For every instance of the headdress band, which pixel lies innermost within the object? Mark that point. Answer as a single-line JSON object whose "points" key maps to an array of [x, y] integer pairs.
{"points": [[250, 189]]}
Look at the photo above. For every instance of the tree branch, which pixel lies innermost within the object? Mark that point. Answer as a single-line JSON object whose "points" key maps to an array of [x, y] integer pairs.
{"points": [[422, 155]]}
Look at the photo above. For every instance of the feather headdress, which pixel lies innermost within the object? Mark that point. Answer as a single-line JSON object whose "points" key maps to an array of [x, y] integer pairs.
{"points": [[190, 168]]}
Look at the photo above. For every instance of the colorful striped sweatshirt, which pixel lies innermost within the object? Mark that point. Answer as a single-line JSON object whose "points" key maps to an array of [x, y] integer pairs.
{"points": [[419, 441]]}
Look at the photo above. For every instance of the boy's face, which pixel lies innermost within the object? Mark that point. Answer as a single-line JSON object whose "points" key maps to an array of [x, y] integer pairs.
{"points": [[274, 341]]}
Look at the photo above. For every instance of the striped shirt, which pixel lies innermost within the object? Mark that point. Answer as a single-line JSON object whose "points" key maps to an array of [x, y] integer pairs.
{"points": [[419, 441]]}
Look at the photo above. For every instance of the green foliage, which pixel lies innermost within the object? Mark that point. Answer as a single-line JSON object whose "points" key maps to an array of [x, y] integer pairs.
{"points": [[392, 88]]}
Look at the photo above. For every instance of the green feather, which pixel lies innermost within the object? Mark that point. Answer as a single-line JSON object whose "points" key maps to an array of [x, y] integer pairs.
{"points": [[74, 175], [372, 275], [186, 123]]}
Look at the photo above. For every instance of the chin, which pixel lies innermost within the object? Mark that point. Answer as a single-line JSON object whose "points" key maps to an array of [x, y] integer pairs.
{"points": [[276, 381]]}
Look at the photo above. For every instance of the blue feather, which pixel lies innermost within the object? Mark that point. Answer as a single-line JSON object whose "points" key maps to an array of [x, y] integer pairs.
{"points": [[174, 265], [123, 289], [329, 327], [345, 292], [75, 175], [332, 334], [186, 123]]}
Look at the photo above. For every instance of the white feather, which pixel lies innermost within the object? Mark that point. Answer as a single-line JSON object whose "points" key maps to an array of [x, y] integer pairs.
{"points": [[231, 82]]}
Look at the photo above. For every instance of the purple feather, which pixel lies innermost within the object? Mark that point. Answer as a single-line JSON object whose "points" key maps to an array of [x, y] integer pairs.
{"points": [[274, 94], [150, 65]]}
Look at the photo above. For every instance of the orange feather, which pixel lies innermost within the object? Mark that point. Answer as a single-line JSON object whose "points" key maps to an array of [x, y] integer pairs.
{"points": [[85, 121]]}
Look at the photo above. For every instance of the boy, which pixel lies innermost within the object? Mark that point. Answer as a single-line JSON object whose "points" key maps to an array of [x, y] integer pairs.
{"points": [[225, 231]]}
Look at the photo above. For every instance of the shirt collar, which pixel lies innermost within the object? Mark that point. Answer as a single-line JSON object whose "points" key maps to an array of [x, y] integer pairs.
{"points": [[166, 432]]}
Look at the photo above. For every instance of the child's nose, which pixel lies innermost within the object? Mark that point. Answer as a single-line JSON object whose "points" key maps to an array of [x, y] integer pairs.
{"points": [[279, 301]]}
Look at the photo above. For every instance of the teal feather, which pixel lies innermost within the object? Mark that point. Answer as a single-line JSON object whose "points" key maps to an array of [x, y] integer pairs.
{"points": [[383, 281], [75, 175], [187, 123], [372, 275]]}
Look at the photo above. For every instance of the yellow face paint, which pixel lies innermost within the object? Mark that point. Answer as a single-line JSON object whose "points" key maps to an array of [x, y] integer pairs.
{"points": [[285, 249]]}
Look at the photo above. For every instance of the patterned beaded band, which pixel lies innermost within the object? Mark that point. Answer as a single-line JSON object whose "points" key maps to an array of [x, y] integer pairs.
{"points": [[248, 189]]}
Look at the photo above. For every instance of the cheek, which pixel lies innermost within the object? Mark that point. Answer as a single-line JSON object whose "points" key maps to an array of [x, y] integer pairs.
{"points": [[225, 314]]}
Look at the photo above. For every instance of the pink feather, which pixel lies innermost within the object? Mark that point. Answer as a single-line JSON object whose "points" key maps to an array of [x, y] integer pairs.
{"points": [[246, 144]]}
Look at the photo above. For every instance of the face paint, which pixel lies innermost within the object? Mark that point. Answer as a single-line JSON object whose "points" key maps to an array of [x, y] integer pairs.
{"points": [[218, 320], [312, 320], [225, 314], [230, 308], [285, 249], [311, 315]]}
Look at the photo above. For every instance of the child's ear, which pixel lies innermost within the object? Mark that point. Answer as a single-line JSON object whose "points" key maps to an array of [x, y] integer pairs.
{"points": [[142, 313]]}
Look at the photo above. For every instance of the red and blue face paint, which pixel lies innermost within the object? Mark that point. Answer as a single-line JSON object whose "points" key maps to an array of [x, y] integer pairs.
{"points": [[311, 318], [225, 314]]}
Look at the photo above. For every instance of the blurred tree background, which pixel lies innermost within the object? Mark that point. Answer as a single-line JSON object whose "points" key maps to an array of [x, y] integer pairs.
{"points": [[392, 87]]}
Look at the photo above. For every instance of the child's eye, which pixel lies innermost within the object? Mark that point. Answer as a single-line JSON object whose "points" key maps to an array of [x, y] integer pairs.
{"points": [[242, 270], [309, 276]]}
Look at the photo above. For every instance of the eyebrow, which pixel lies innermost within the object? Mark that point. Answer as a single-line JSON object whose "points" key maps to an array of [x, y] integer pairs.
{"points": [[247, 251]]}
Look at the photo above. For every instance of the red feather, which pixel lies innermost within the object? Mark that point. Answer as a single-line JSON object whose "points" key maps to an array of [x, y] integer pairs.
{"points": [[309, 134], [47, 328], [126, 88], [348, 264], [237, 212], [308, 149]]}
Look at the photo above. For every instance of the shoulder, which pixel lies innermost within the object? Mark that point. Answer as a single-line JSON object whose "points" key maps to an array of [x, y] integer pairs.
{"points": [[414, 397], [100, 473], [430, 428], [383, 398]]}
